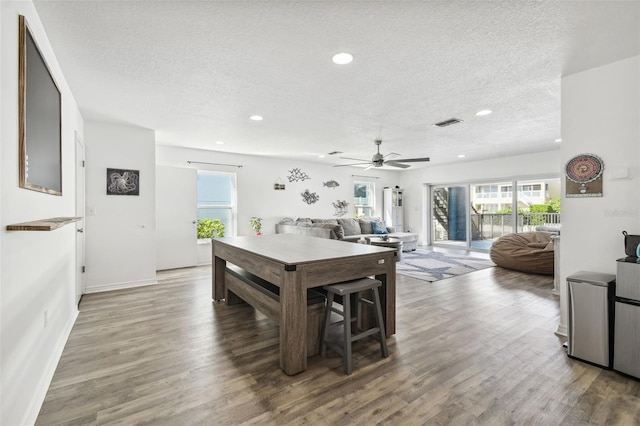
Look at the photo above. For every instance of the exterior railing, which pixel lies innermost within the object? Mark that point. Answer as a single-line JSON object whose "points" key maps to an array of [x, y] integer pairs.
{"points": [[494, 225], [489, 226]]}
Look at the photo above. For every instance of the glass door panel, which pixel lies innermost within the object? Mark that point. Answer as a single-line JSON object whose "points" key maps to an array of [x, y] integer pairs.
{"points": [[449, 215], [538, 204], [491, 212]]}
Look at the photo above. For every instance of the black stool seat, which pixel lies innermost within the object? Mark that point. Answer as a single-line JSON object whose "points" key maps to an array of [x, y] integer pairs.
{"points": [[346, 289]]}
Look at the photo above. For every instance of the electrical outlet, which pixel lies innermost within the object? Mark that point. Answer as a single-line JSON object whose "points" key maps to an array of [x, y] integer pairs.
{"points": [[46, 317]]}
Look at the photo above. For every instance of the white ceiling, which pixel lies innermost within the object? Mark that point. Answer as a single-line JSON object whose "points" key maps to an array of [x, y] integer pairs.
{"points": [[194, 71]]}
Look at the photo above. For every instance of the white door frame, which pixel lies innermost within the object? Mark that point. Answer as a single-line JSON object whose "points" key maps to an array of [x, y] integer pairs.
{"points": [[80, 212]]}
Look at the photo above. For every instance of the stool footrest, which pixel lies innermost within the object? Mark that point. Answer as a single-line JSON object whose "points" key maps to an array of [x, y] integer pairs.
{"points": [[365, 333]]}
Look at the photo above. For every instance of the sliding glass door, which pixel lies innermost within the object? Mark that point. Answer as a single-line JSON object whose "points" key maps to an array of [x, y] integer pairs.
{"points": [[472, 216]]}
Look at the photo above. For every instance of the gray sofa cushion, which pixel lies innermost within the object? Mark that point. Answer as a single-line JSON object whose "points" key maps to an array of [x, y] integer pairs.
{"points": [[335, 228], [351, 226], [332, 221]]}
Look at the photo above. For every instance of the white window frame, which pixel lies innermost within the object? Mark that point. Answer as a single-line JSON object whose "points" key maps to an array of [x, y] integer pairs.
{"points": [[233, 207], [359, 209]]}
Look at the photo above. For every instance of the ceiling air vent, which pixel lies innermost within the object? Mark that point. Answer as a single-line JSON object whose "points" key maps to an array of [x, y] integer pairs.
{"points": [[448, 122], [335, 152]]}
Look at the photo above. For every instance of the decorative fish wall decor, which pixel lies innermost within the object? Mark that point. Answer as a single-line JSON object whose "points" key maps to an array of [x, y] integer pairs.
{"points": [[331, 184]]}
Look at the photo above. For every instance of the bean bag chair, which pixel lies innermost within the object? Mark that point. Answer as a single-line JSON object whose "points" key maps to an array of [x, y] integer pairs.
{"points": [[530, 252]]}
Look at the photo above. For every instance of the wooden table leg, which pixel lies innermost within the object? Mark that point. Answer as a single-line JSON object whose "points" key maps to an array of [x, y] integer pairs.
{"points": [[217, 280], [293, 324], [388, 298]]}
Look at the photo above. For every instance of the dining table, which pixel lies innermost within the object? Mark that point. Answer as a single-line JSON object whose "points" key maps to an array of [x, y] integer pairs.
{"points": [[296, 263]]}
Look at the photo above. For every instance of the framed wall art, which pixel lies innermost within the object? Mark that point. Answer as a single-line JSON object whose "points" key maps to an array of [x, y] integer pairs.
{"points": [[584, 176], [123, 182], [39, 118]]}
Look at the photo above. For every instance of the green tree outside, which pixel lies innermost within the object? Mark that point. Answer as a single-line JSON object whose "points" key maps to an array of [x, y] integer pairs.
{"points": [[210, 228]]}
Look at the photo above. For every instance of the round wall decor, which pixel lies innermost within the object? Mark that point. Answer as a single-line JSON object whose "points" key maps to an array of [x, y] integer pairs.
{"points": [[581, 170], [584, 168]]}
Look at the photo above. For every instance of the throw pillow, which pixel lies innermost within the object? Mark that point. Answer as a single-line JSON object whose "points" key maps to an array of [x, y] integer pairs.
{"points": [[337, 229], [365, 226], [350, 226], [379, 228], [302, 220]]}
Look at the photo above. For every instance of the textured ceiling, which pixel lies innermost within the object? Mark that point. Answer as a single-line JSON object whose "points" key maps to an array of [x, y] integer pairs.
{"points": [[194, 71]]}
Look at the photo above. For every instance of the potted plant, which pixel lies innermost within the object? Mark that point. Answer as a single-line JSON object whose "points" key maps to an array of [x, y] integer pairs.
{"points": [[210, 228], [256, 224]]}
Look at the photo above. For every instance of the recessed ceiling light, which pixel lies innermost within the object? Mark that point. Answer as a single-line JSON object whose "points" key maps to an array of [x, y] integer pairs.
{"points": [[219, 143], [483, 112], [558, 140], [342, 58], [256, 118], [461, 156], [321, 156]]}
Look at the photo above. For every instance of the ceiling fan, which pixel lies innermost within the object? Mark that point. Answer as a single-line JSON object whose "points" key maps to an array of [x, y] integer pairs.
{"points": [[379, 160]]}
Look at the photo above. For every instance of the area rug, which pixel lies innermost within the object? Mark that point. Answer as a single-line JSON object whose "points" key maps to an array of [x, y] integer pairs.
{"points": [[433, 265]]}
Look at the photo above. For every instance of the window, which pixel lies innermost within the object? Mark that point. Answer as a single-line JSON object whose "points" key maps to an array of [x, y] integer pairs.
{"points": [[363, 198], [217, 199]]}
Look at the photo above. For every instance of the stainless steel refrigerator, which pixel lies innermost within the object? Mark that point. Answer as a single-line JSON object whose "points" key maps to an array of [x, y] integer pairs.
{"points": [[627, 319]]}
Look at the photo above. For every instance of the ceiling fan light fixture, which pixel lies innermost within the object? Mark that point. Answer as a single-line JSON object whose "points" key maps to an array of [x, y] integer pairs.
{"points": [[342, 58]]}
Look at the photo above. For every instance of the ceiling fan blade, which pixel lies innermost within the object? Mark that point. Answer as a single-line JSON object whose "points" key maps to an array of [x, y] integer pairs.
{"points": [[391, 153], [352, 164], [412, 160], [357, 159], [394, 164]]}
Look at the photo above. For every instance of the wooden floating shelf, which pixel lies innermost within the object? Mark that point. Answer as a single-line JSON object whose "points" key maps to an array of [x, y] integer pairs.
{"points": [[43, 224]]}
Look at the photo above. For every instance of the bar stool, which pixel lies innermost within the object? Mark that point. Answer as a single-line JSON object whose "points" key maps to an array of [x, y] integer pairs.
{"points": [[346, 289]]}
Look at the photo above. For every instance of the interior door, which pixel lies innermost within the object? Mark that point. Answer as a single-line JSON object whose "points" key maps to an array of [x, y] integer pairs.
{"points": [[176, 209], [80, 234]]}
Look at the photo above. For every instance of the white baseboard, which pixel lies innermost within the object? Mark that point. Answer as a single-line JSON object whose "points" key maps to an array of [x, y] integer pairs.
{"points": [[118, 286], [40, 393], [562, 330]]}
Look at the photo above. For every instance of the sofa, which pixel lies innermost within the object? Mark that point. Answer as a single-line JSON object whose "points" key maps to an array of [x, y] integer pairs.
{"points": [[346, 229]]}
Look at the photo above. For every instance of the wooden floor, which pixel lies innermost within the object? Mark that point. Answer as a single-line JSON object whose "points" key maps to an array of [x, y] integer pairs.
{"points": [[477, 349]]}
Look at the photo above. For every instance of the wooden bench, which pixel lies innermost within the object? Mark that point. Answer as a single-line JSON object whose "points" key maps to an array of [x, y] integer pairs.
{"points": [[242, 286]]}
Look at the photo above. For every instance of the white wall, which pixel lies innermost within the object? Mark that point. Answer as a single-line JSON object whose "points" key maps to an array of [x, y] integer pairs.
{"points": [[601, 116], [120, 236], [37, 271], [545, 164], [255, 180]]}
